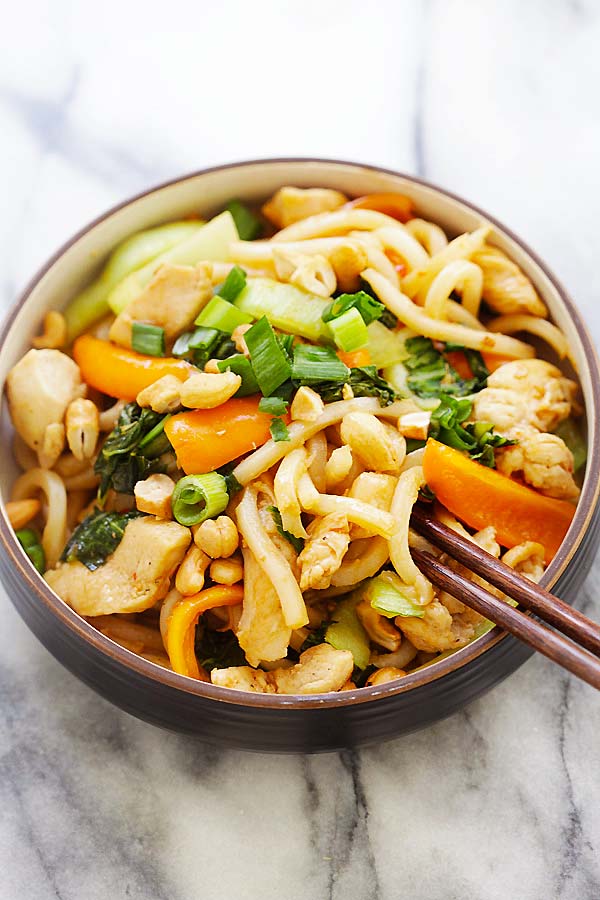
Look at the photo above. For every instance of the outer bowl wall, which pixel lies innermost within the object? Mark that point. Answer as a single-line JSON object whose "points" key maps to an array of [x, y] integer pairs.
{"points": [[266, 722]]}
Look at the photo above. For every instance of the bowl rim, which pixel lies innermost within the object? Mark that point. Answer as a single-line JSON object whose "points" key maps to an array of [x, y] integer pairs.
{"points": [[411, 682]]}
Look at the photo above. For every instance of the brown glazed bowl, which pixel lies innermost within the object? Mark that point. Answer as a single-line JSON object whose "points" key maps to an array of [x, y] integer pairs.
{"points": [[270, 722]]}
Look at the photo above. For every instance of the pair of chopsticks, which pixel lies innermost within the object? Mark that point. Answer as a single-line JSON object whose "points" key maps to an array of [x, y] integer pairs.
{"points": [[583, 632]]}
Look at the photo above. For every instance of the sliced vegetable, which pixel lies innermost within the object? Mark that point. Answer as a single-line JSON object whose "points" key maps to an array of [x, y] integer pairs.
{"points": [[287, 307], [242, 367], [148, 339], [233, 284], [430, 373], [278, 430], [181, 625], [248, 225], [269, 360], [129, 452], [96, 538], [388, 594], [31, 544], [313, 365], [206, 439], [296, 542], [275, 406], [475, 438], [481, 496], [368, 306], [364, 381], [386, 347], [211, 242], [349, 331], [398, 206], [347, 633], [122, 373], [217, 649], [92, 303], [199, 497], [220, 314], [356, 359], [570, 433]]}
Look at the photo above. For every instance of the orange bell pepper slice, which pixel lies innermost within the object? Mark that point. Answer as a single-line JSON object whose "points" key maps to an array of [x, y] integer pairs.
{"points": [[481, 496], [206, 439], [398, 206], [181, 626], [355, 358], [122, 373], [493, 361], [460, 363]]}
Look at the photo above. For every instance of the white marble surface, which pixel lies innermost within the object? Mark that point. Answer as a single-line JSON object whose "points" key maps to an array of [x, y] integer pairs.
{"points": [[496, 101]]}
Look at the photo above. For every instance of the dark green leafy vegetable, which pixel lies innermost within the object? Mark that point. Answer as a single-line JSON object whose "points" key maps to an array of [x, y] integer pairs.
{"points": [[249, 226], [296, 542], [368, 307], [122, 462], [364, 381], [316, 636], [430, 374], [233, 285], [475, 438], [388, 319], [31, 544], [148, 339], [97, 537], [231, 482], [217, 649]]}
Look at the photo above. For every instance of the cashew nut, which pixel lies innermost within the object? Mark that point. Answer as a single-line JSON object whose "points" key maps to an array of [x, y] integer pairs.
{"points": [[382, 676], [82, 425], [54, 335], [205, 390], [306, 406], [162, 396], [218, 538], [191, 573], [227, 571]]}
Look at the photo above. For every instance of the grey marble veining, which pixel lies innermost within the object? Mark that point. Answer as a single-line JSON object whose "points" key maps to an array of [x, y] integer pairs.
{"points": [[497, 102]]}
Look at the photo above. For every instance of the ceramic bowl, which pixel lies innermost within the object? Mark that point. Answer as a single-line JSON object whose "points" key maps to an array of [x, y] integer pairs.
{"points": [[269, 722]]}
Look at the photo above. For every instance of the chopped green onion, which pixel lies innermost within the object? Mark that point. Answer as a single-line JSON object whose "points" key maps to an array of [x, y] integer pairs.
{"points": [[368, 308], [248, 225], [242, 367], [233, 284], [220, 314], [391, 597], [346, 631], [200, 339], [148, 339], [349, 331], [199, 497], [276, 406], [30, 543], [313, 364], [270, 363], [296, 542], [279, 431]]}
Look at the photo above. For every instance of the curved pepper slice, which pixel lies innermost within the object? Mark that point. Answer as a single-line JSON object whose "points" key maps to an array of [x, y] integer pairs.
{"points": [[398, 206], [480, 496], [181, 626], [123, 373]]}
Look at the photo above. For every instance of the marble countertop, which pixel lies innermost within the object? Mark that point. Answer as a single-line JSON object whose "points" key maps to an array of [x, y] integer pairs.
{"points": [[497, 102]]}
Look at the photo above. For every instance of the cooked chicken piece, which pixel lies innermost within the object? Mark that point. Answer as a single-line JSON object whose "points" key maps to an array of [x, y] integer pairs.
{"points": [[525, 392], [378, 445], [328, 539], [291, 204], [133, 578], [172, 300], [40, 388], [527, 559], [320, 669], [506, 289], [381, 630], [438, 630], [544, 461], [261, 632]]}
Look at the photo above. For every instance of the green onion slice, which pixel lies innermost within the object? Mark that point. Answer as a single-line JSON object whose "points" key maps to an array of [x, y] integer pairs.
{"points": [[313, 364], [279, 431], [233, 285], [269, 360], [199, 497], [148, 339], [242, 367], [368, 307], [349, 331], [276, 406], [220, 314], [30, 543]]}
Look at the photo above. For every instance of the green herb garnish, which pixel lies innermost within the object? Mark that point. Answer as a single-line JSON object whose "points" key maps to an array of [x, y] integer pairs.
{"points": [[296, 542]]}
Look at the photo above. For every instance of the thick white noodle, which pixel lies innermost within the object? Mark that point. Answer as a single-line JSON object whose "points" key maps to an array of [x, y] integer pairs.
{"points": [[51, 485]]}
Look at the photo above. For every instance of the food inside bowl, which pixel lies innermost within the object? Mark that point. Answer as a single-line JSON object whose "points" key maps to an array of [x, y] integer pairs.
{"points": [[223, 436]]}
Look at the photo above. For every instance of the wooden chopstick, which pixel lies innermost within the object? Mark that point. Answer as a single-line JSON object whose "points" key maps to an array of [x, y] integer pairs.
{"points": [[542, 638], [528, 594]]}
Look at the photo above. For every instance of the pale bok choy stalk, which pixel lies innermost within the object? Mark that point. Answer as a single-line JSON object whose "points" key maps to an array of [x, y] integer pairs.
{"points": [[138, 250]]}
